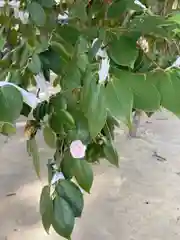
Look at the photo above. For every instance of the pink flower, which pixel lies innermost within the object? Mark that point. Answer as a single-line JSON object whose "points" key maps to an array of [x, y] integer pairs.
{"points": [[77, 149]]}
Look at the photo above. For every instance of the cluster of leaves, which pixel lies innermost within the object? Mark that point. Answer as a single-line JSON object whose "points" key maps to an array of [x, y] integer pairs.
{"points": [[58, 37]]}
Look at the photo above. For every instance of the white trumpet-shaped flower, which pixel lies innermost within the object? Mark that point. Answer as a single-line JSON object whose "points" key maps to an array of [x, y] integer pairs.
{"points": [[29, 98], [104, 70], [42, 85], [104, 62], [137, 2], [101, 51]]}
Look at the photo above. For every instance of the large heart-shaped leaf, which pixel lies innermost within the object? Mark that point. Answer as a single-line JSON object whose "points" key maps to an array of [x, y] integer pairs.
{"points": [[37, 13], [63, 222], [83, 174], [168, 84], [145, 94], [72, 194], [11, 103], [119, 99], [123, 51]]}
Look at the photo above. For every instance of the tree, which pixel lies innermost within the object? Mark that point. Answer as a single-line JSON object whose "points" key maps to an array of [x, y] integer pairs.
{"points": [[109, 58]]}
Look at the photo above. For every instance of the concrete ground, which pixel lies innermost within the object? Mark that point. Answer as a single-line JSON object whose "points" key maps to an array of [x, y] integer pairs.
{"points": [[138, 201]]}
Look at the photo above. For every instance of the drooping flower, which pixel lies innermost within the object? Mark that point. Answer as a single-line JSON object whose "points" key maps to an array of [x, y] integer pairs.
{"points": [[104, 70], [104, 62], [101, 51], [28, 97], [77, 149], [57, 176], [137, 2], [176, 63], [42, 84]]}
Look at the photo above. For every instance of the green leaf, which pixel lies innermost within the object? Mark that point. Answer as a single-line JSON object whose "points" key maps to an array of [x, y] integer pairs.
{"points": [[93, 104], [2, 42], [59, 119], [46, 208], [35, 64], [24, 55], [49, 137], [66, 118], [175, 18], [123, 51], [94, 49], [33, 151], [119, 7], [63, 222], [47, 3], [83, 174], [72, 78], [37, 13], [111, 153], [116, 9], [145, 94], [81, 131], [79, 10], [8, 129], [72, 194], [11, 103], [119, 99], [168, 84], [69, 33], [51, 59], [67, 165], [58, 101], [56, 124], [149, 25]]}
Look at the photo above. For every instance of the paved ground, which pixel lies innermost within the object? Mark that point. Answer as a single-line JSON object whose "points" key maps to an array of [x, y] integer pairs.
{"points": [[138, 201]]}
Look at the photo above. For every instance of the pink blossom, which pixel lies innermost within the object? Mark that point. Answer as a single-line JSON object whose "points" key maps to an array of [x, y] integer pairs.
{"points": [[77, 149]]}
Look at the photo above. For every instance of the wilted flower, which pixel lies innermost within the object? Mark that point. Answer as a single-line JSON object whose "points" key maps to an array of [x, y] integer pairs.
{"points": [[104, 64], [77, 149], [41, 84], [57, 176], [144, 45], [101, 51], [104, 70], [140, 4], [176, 63]]}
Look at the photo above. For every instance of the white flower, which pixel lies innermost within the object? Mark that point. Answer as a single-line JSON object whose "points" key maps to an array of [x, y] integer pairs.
{"points": [[77, 149], [24, 16], [176, 63], [104, 70], [101, 51], [2, 3], [41, 84], [29, 98], [57, 176], [143, 43], [14, 4], [140, 4]]}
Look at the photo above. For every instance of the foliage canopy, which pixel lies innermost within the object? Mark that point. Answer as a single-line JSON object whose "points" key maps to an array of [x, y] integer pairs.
{"points": [[108, 58]]}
